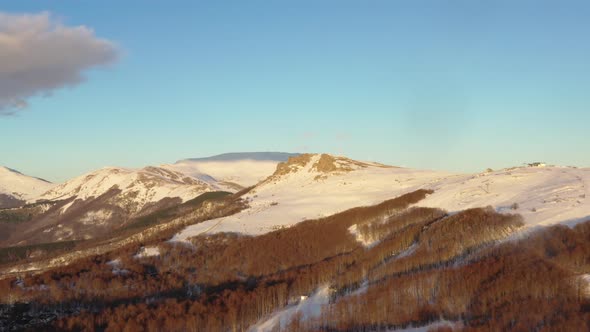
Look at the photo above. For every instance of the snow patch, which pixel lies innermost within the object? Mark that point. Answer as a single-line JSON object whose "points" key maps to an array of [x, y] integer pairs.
{"points": [[63, 232], [434, 325], [408, 251], [584, 284], [116, 267], [64, 208], [309, 307], [99, 217], [366, 241], [148, 252], [23, 268]]}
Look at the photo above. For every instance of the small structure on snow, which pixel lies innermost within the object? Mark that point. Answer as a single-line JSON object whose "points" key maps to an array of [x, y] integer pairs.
{"points": [[537, 164]]}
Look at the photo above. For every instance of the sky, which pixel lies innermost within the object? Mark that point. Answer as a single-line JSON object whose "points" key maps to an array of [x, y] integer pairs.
{"points": [[450, 85]]}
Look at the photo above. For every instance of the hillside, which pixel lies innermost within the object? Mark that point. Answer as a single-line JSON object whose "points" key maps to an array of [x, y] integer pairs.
{"points": [[324, 243], [542, 195], [99, 202], [427, 268], [17, 188], [139, 187], [314, 186]]}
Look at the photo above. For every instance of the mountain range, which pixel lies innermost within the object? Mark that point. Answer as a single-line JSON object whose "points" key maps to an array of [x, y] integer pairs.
{"points": [[285, 189], [298, 242], [101, 201]]}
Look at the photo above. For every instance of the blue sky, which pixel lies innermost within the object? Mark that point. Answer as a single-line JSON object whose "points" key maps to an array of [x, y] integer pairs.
{"points": [[455, 85]]}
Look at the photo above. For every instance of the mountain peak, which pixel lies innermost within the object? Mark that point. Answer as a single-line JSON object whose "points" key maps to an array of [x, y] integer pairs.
{"points": [[320, 164], [328, 163], [149, 184], [17, 188]]}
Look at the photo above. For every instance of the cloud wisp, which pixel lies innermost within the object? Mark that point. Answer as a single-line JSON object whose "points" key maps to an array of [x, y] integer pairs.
{"points": [[38, 54]]}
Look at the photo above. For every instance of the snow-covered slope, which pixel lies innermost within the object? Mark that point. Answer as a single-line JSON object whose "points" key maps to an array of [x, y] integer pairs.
{"points": [[20, 187], [312, 186], [99, 202], [137, 187], [307, 307], [542, 195], [231, 169]]}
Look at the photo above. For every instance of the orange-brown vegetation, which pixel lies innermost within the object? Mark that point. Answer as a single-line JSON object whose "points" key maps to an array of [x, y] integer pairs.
{"points": [[424, 266]]}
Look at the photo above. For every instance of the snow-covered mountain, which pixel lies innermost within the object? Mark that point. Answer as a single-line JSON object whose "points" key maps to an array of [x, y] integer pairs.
{"points": [[313, 186], [542, 195], [323, 270], [136, 188], [17, 188], [101, 201], [232, 171], [389, 254], [307, 186]]}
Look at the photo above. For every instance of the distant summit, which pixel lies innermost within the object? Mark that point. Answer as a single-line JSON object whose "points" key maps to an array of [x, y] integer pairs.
{"points": [[232, 171], [233, 156], [12, 170], [16, 188]]}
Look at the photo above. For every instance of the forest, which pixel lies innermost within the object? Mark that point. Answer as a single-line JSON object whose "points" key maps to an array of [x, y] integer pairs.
{"points": [[474, 268]]}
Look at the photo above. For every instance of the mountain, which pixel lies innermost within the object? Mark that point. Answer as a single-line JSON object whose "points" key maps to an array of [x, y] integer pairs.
{"points": [[101, 201], [138, 187], [16, 188], [312, 186], [541, 195], [232, 171], [317, 185], [323, 243]]}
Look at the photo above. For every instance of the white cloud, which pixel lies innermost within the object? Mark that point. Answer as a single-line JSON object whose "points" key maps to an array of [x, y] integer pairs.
{"points": [[38, 55]]}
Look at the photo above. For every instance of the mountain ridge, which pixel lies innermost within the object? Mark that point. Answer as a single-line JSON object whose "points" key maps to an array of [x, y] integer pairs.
{"points": [[316, 185], [17, 188], [323, 243]]}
